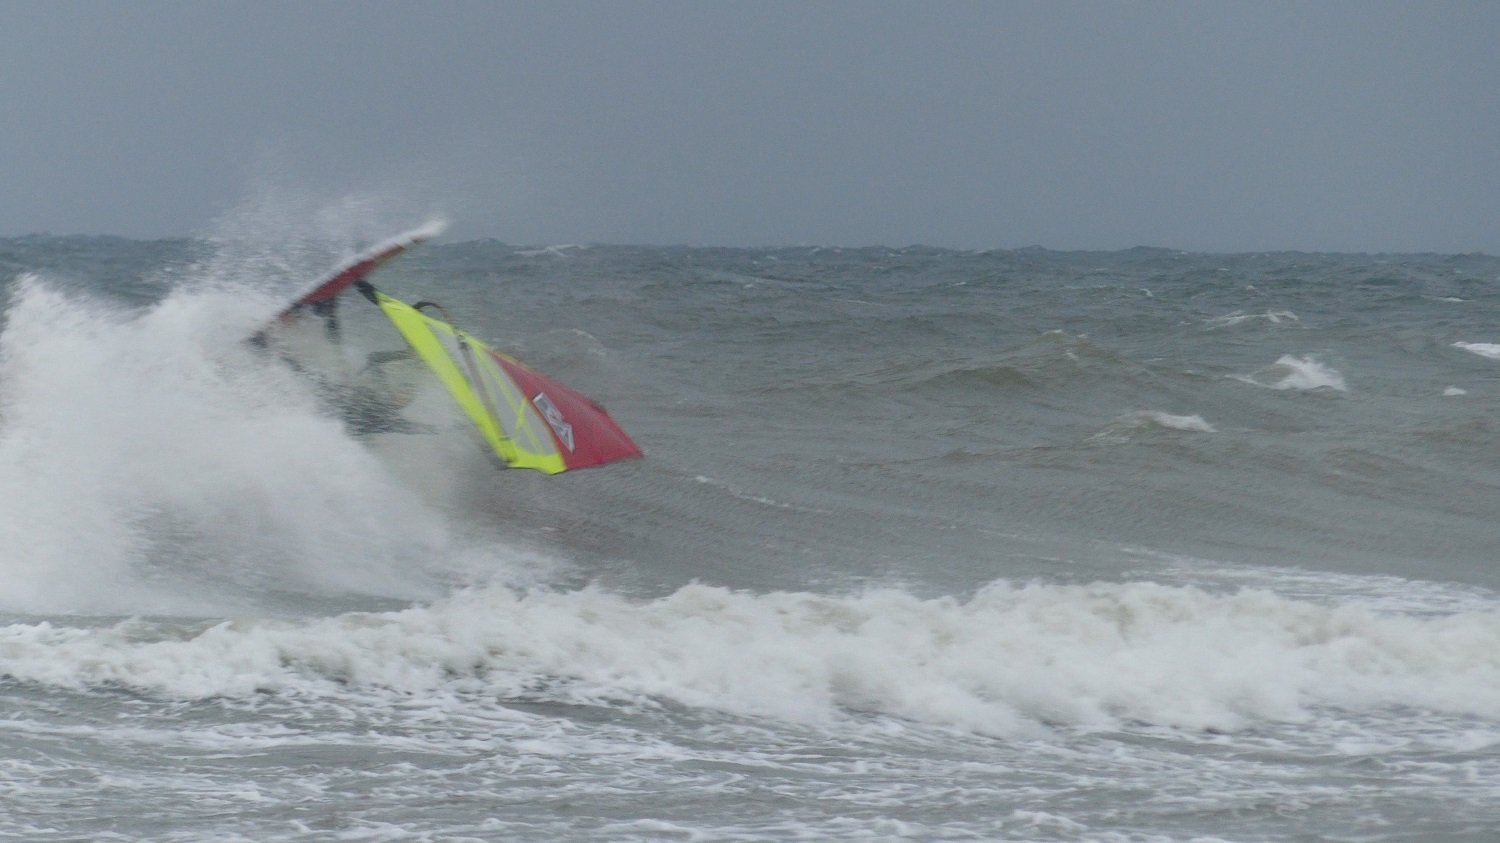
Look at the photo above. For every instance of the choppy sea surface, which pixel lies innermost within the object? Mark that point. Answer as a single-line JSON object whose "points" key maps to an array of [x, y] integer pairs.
{"points": [[936, 545]]}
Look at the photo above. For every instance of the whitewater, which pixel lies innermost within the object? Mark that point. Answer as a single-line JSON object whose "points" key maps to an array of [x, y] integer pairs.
{"points": [[1009, 545]]}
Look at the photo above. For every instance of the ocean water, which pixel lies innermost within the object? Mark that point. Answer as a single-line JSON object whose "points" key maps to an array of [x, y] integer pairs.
{"points": [[936, 545]]}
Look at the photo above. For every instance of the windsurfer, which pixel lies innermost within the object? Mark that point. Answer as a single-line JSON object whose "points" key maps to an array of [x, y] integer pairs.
{"points": [[374, 400], [546, 426]]}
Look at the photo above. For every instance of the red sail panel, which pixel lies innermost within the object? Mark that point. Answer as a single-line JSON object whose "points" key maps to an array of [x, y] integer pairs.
{"points": [[584, 432]]}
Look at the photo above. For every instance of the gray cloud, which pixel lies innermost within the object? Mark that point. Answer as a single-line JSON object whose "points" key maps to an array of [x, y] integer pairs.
{"points": [[1211, 126]]}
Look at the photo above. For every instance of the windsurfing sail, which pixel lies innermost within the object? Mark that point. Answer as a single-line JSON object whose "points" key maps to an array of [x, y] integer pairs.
{"points": [[322, 299], [527, 419]]}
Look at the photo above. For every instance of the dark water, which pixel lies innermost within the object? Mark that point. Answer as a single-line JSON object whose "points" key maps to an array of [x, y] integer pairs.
{"points": [[1014, 545]]}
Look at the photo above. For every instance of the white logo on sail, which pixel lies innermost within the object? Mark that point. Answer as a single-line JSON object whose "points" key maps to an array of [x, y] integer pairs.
{"points": [[554, 418]]}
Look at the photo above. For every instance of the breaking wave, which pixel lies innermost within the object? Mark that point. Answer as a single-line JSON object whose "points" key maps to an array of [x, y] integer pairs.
{"points": [[1006, 661]]}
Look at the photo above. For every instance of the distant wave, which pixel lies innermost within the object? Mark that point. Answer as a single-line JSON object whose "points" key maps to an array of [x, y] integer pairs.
{"points": [[1483, 349], [979, 376], [746, 496], [1275, 317], [561, 250], [1152, 418], [1148, 420], [965, 376], [1297, 373]]}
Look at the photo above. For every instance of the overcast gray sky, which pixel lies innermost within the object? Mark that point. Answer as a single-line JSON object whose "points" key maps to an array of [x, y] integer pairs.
{"points": [[1348, 126]]}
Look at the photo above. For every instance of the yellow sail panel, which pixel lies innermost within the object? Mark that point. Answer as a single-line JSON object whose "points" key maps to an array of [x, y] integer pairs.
{"points": [[505, 418]]}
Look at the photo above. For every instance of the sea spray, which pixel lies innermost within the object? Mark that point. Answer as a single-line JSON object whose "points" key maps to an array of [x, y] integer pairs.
{"points": [[158, 468]]}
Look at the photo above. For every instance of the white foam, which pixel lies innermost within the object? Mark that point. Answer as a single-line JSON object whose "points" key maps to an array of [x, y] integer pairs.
{"points": [[1487, 350], [1454, 391], [1005, 661]]}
